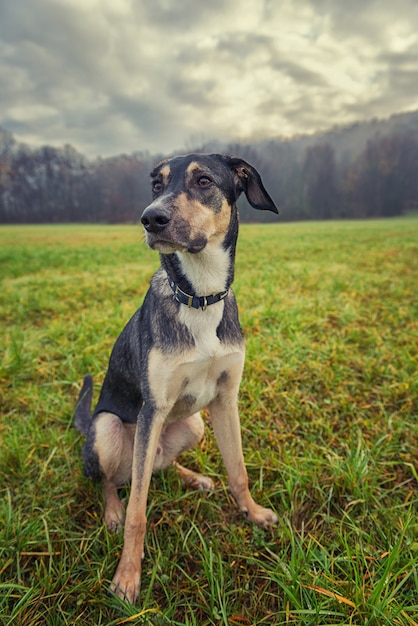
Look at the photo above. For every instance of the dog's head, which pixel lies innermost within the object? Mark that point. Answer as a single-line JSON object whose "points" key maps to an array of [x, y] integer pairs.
{"points": [[194, 199]]}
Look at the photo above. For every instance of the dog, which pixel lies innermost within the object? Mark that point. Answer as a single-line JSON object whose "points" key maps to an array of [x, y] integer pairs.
{"points": [[182, 351]]}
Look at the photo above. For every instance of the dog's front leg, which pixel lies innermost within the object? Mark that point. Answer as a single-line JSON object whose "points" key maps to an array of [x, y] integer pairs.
{"points": [[226, 425], [127, 578]]}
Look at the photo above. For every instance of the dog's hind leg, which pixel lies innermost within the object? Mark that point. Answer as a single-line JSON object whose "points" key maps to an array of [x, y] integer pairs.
{"points": [[175, 439], [114, 441]]}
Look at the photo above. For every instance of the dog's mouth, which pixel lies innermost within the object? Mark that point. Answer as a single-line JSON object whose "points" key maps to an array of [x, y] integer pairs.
{"points": [[167, 246]]}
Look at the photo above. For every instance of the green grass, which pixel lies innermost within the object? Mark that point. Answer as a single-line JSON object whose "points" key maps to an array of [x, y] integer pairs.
{"points": [[329, 421]]}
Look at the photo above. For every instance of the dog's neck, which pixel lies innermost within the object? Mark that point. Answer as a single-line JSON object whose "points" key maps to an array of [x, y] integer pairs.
{"points": [[208, 272]]}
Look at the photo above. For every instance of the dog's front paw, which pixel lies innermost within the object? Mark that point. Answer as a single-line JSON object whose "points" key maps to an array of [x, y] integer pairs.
{"points": [[126, 581], [261, 516]]}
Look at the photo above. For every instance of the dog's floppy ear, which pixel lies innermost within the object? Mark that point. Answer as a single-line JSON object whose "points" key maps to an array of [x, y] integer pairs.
{"points": [[248, 180]]}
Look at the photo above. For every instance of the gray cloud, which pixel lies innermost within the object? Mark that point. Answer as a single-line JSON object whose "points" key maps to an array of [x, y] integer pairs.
{"points": [[112, 76], [171, 16]]}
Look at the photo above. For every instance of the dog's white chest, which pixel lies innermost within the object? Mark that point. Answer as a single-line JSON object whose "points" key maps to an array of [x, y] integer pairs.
{"points": [[200, 383], [197, 381], [184, 383], [202, 325]]}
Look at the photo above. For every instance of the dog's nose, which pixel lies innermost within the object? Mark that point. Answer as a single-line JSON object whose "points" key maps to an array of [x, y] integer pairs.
{"points": [[155, 220]]}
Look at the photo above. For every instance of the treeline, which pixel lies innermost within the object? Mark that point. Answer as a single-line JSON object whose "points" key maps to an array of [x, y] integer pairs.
{"points": [[43, 185], [60, 185]]}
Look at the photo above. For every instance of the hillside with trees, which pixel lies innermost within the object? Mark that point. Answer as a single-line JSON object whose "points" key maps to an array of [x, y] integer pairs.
{"points": [[364, 170]]}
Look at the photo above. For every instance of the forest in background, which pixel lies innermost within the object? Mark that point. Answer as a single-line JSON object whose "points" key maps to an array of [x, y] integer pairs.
{"points": [[365, 170]]}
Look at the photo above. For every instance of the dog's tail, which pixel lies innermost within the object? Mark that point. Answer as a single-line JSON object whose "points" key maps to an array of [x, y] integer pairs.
{"points": [[82, 414]]}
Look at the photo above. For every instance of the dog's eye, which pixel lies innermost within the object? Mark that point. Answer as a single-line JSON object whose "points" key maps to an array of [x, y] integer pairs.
{"points": [[203, 181], [157, 186]]}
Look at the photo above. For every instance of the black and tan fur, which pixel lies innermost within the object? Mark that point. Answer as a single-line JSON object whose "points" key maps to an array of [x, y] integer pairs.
{"points": [[172, 360]]}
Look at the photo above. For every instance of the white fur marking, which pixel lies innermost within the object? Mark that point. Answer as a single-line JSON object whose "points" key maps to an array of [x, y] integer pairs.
{"points": [[203, 325], [207, 271]]}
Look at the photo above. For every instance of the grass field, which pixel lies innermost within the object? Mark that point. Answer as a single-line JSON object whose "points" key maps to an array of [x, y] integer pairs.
{"points": [[329, 420]]}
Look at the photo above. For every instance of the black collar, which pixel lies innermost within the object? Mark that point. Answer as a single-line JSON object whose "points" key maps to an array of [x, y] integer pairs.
{"points": [[195, 302]]}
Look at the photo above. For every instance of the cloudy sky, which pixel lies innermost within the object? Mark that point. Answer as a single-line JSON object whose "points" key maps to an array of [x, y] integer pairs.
{"points": [[112, 76]]}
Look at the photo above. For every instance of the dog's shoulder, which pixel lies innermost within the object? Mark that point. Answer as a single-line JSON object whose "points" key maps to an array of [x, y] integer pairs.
{"points": [[159, 287]]}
